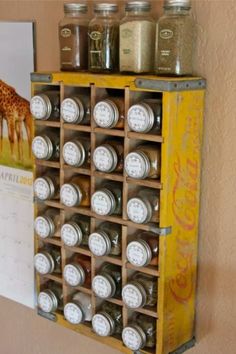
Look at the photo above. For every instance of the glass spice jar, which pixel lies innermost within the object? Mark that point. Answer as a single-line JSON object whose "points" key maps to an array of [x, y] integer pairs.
{"points": [[47, 187], [137, 38], [108, 321], [140, 332], [46, 146], [144, 206], [79, 309], [73, 37], [47, 224], [106, 240], [76, 109], [78, 271], [104, 39], [77, 152], [76, 192], [75, 232], [51, 298], [109, 113], [144, 162], [46, 105], [174, 39], [107, 283], [48, 260], [109, 157], [140, 291], [107, 200], [143, 250], [145, 116]]}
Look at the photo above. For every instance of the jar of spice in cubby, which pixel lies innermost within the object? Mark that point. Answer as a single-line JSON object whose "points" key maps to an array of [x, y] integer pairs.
{"points": [[107, 200], [108, 321], [107, 283], [75, 232], [144, 162], [77, 152], [77, 272], [76, 192], [76, 109], [109, 156], [48, 260], [140, 291], [46, 146], [46, 224], [47, 187], [144, 206], [140, 332], [106, 240], [79, 309], [50, 299], [46, 105], [110, 113]]}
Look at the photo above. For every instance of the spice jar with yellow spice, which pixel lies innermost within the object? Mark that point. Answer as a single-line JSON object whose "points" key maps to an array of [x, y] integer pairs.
{"points": [[109, 113], [76, 192]]}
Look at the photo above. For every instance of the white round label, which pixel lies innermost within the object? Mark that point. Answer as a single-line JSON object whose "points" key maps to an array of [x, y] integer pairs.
{"points": [[69, 110], [45, 302], [102, 287], [103, 115], [72, 275], [71, 154], [134, 165], [137, 210], [41, 189], [97, 244], [69, 235], [42, 264], [103, 159], [132, 296], [38, 107], [40, 148], [42, 227], [136, 254], [68, 195], [73, 313], [101, 325], [138, 118], [101, 203], [131, 338]]}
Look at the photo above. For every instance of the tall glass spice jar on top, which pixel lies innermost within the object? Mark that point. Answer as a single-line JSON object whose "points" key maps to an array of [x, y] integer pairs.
{"points": [[137, 37], [73, 37], [174, 39], [104, 39]]}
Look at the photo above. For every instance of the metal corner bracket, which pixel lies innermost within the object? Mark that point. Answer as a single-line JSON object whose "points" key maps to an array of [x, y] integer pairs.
{"points": [[185, 346], [164, 85], [161, 231], [37, 77], [48, 316]]}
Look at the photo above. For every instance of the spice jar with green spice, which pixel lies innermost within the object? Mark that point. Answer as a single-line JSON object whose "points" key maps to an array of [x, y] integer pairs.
{"points": [[103, 39], [174, 39]]}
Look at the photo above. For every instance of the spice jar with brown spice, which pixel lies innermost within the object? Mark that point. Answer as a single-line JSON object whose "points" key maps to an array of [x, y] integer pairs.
{"points": [[109, 156], [76, 192], [109, 113]]}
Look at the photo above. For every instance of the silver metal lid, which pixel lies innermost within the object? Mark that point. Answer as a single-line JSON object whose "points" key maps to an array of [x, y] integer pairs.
{"points": [[137, 165], [73, 153], [105, 158], [139, 253], [105, 7], [99, 243], [40, 107], [72, 7], [72, 110], [140, 118], [134, 337], [134, 295], [140, 5], [44, 263], [74, 274], [42, 147], [103, 324], [71, 234], [44, 226], [104, 286], [70, 195], [47, 301], [103, 202], [180, 3], [139, 211], [73, 313], [106, 114], [44, 188]]}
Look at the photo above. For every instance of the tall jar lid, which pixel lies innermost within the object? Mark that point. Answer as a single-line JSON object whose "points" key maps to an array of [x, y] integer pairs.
{"points": [[42, 147], [180, 3], [47, 301], [40, 107], [137, 165], [134, 295], [70, 195], [105, 7], [74, 274], [73, 313], [103, 324], [103, 202], [73, 153], [139, 253], [140, 5], [99, 243], [106, 114], [44, 263], [71, 234], [44, 188], [72, 110], [104, 286], [139, 211], [140, 118], [134, 337], [105, 158], [44, 226], [73, 7]]}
